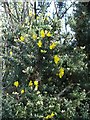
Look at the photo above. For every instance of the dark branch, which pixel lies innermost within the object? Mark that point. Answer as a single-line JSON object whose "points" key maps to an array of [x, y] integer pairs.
{"points": [[67, 9]]}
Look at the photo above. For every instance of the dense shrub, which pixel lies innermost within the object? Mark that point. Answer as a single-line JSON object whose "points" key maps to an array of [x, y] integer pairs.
{"points": [[44, 70]]}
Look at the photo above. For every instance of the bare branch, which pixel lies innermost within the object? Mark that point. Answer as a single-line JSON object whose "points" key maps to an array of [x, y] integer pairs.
{"points": [[67, 9], [15, 6], [56, 9], [23, 13], [35, 9], [64, 90]]}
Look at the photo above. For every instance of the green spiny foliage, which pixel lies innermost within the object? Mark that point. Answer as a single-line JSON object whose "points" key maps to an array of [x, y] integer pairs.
{"points": [[44, 70]]}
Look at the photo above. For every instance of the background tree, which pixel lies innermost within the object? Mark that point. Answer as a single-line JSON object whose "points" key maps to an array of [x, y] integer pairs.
{"points": [[80, 25]]}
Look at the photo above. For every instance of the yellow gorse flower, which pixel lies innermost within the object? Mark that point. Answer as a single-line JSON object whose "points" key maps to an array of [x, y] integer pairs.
{"points": [[43, 51], [48, 34], [11, 53], [52, 114], [53, 45], [22, 38], [36, 83], [42, 33], [22, 91], [30, 83], [61, 72], [34, 36], [56, 59], [49, 116], [39, 43], [16, 83]]}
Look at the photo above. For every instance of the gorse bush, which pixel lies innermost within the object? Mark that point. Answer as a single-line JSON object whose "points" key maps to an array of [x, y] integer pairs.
{"points": [[36, 105], [43, 69]]}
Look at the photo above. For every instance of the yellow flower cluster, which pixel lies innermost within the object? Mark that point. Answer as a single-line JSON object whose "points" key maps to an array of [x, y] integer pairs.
{"points": [[50, 116], [22, 91], [39, 43], [53, 45], [42, 33], [61, 72], [30, 83], [35, 84], [48, 34], [22, 38], [56, 59], [16, 83]]}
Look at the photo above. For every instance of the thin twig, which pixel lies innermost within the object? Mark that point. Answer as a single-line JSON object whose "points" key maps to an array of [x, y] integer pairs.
{"points": [[68, 9], [35, 11], [64, 90], [23, 13], [56, 9], [15, 6]]}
